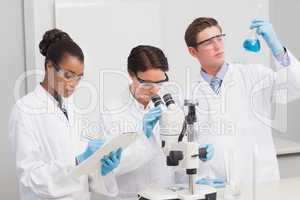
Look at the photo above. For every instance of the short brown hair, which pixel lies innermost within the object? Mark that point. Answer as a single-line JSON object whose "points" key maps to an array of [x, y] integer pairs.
{"points": [[196, 27]]}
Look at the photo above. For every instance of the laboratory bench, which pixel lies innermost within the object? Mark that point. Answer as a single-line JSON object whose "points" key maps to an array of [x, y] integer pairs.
{"points": [[288, 155], [288, 188], [285, 189]]}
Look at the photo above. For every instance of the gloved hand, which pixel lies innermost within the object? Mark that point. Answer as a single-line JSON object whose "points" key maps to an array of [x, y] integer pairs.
{"points": [[110, 162], [210, 150], [150, 120], [91, 148], [214, 182], [265, 29]]}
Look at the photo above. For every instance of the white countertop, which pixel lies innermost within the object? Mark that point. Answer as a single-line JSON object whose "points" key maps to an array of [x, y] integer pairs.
{"points": [[284, 146], [285, 189]]}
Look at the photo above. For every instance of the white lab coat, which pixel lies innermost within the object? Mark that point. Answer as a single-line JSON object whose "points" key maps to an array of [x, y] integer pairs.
{"points": [[240, 116], [45, 144], [143, 163]]}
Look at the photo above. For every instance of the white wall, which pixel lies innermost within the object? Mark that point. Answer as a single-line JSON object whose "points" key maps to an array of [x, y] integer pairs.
{"points": [[284, 15], [12, 65], [175, 16]]}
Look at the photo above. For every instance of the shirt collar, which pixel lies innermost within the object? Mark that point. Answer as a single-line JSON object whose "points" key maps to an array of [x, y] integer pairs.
{"points": [[221, 73]]}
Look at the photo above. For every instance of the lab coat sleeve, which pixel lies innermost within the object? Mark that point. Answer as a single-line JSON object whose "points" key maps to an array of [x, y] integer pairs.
{"points": [[287, 79], [46, 178], [280, 86], [135, 155], [106, 185]]}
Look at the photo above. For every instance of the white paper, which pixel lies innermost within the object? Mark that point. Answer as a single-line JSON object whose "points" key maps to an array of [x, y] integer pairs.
{"points": [[92, 164]]}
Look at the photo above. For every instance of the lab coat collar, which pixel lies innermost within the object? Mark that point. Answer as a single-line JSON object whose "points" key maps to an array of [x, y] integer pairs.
{"points": [[226, 79], [47, 99], [221, 73], [224, 73]]}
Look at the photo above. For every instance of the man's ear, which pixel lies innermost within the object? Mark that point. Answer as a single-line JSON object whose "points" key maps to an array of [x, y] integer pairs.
{"points": [[193, 51]]}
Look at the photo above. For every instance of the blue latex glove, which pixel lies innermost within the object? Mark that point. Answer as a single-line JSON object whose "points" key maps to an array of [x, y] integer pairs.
{"points": [[210, 151], [110, 162], [214, 182], [91, 148], [265, 29], [150, 120]]}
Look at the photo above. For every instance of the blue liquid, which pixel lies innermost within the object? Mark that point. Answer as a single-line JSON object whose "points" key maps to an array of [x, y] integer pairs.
{"points": [[252, 45]]}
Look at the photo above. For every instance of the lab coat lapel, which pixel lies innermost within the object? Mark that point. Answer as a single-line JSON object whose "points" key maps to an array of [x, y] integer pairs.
{"points": [[50, 103], [54, 129], [236, 132], [216, 117]]}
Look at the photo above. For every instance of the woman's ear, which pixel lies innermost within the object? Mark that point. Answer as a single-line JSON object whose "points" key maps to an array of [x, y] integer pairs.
{"points": [[48, 65], [132, 76]]}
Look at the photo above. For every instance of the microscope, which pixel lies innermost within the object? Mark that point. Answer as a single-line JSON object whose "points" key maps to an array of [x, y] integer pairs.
{"points": [[177, 134]]}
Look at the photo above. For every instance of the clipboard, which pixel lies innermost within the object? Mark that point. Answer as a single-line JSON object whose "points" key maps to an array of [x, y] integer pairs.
{"points": [[92, 164]]}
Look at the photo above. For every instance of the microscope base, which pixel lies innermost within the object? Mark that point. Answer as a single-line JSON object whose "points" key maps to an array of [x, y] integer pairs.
{"points": [[178, 193]]}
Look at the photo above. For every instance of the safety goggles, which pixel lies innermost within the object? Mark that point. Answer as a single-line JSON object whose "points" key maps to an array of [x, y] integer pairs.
{"points": [[152, 83], [210, 42], [66, 74]]}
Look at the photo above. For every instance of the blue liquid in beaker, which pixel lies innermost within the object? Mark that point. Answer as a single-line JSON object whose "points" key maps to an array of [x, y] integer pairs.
{"points": [[252, 45]]}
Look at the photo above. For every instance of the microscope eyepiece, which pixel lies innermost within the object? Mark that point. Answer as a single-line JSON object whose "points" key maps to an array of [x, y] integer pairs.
{"points": [[168, 99], [156, 100]]}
